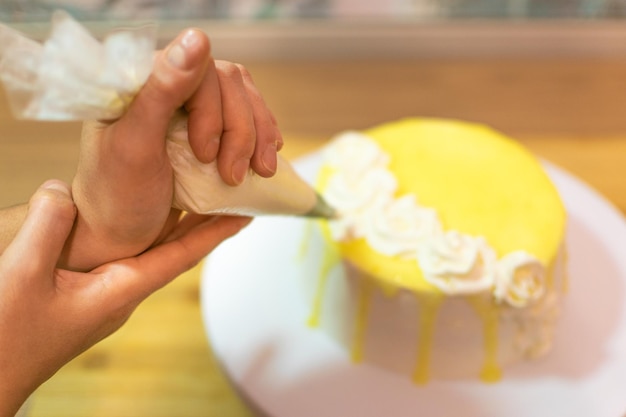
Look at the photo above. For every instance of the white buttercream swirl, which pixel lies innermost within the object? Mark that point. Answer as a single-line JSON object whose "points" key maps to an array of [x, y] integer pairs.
{"points": [[401, 225], [362, 189], [353, 154], [355, 196], [360, 182], [457, 263], [520, 279]]}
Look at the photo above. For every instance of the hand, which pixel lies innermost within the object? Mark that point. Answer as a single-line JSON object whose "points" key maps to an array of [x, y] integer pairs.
{"points": [[123, 187], [48, 315]]}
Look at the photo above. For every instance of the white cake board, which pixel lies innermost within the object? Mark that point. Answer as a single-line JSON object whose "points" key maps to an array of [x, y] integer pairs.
{"points": [[255, 313]]}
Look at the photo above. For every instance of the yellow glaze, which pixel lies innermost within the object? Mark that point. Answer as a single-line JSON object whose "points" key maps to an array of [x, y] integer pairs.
{"points": [[360, 326], [489, 314], [480, 182], [329, 261], [429, 307]]}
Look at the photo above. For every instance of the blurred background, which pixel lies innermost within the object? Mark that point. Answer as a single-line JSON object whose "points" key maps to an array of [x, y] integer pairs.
{"points": [[21, 10], [550, 73], [523, 66]]}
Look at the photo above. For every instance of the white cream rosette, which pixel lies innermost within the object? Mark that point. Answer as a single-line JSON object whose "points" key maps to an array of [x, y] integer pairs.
{"points": [[458, 264], [400, 226], [353, 154], [520, 279], [355, 197], [362, 189], [360, 182]]}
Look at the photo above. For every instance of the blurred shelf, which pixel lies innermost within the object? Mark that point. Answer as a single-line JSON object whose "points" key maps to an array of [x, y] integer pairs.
{"points": [[350, 39]]}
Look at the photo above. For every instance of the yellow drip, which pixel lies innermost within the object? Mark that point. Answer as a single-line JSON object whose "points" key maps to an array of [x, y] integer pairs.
{"points": [[360, 325], [328, 262], [488, 312], [428, 309], [447, 150], [306, 239]]}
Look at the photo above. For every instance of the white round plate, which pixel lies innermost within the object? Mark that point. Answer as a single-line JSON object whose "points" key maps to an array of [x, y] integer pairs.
{"points": [[255, 313]]}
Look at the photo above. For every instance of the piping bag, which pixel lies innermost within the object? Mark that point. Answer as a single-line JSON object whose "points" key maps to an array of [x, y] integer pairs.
{"points": [[73, 76]]}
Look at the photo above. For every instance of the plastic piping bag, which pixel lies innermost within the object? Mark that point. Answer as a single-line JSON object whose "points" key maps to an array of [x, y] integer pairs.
{"points": [[73, 76]]}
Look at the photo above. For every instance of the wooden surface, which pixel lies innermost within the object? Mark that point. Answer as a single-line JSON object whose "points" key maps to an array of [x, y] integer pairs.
{"points": [[571, 112]]}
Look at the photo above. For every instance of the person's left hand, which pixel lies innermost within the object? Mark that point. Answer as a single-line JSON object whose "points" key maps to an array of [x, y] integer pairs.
{"points": [[49, 315], [124, 183]]}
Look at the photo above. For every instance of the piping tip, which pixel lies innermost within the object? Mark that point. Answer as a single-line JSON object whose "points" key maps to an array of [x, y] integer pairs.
{"points": [[321, 209]]}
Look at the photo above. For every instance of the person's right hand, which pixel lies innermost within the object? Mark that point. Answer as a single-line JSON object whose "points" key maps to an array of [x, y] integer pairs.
{"points": [[124, 183], [50, 315]]}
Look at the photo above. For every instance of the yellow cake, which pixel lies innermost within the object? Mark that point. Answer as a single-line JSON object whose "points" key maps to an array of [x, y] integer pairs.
{"points": [[452, 242]]}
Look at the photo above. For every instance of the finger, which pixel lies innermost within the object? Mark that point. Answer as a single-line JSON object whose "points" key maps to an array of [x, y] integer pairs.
{"points": [[184, 252], [160, 265], [239, 136], [188, 222], [49, 220], [264, 159], [177, 72], [205, 116], [281, 141]]}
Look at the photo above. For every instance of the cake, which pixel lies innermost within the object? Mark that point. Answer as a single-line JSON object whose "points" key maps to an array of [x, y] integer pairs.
{"points": [[447, 259]]}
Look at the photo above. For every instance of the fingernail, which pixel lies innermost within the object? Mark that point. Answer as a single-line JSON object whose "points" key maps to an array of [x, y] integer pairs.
{"points": [[244, 221], [57, 186], [212, 148], [279, 140], [177, 53], [269, 158], [240, 170]]}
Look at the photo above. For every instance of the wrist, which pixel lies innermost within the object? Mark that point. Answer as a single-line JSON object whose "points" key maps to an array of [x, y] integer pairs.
{"points": [[91, 245], [111, 226], [13, 395]]}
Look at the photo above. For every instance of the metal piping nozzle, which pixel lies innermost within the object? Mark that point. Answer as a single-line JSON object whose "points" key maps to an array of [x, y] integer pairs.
{"points": [[321, 209]]}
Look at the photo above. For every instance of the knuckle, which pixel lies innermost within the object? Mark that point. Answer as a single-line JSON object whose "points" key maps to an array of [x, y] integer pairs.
{"points": [[53, 201], [244, 71], [266, 134], [229, 70], [246, 148], [159, 85], [249, 136]]}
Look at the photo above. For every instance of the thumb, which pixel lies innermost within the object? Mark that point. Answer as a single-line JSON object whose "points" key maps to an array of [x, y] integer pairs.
{"points": [[161, 264], [177, 73], [39, 242]]}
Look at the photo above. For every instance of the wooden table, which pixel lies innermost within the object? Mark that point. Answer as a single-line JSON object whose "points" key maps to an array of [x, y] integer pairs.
{"points": [[569, 111]]}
